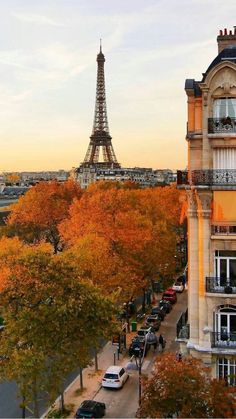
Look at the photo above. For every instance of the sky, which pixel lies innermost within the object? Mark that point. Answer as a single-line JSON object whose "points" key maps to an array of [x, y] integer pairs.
{"points": [[48, 68]]}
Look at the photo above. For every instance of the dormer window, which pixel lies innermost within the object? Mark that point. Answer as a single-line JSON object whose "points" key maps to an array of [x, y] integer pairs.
{"points": [[224, 107]]}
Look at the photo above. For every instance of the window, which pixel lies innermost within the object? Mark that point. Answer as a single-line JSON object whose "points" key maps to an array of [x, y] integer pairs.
{"points": [[225, 267], [224, 107], [227, 370], [225, 323], [224, 158]]}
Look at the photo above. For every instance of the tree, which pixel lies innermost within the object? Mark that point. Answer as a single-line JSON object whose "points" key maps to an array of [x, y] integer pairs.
{"points": [[185, 389], [36, 215], [52, 319], [110, 215], [138, 229]]}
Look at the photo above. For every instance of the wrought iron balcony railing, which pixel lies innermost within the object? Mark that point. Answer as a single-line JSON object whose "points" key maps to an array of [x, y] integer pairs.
{"points": [[211, 177], [182, 327], [223, 339], [221, 125], [221, 285], [223, 229]]}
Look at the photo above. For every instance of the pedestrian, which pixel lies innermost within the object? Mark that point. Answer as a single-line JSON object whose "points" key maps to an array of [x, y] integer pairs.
{"points": [[161, 342], [178, 356]]}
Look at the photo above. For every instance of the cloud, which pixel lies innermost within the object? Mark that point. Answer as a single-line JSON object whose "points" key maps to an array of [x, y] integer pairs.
{"points": [[38, 19]]}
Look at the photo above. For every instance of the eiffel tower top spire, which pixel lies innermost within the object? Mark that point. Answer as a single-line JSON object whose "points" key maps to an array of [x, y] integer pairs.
{"points": [[100, 138]]}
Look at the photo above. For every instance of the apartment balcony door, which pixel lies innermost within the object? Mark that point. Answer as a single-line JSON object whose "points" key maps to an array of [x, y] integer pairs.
{"points": [[225, 267], [226, 325]]}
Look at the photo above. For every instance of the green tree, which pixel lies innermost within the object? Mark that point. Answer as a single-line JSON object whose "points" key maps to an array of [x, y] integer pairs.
{"points": [[52, 319]]}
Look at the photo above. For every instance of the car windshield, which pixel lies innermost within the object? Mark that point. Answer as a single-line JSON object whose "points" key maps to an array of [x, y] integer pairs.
{"points": [[111, 376], [168, 295], [151, 320], [85, 414]]}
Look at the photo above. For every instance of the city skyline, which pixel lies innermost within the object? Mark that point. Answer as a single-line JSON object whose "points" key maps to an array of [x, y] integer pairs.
{"points": [[48, 77]]}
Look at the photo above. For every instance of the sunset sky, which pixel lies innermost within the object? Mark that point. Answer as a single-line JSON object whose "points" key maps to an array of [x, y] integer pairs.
{"points": [[48, 70]]}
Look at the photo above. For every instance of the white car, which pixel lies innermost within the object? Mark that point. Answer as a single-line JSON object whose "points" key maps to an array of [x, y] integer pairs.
{"points": [[178, 287], [115, 377]]}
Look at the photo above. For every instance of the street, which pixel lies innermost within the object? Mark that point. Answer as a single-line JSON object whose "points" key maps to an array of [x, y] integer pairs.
{"points": [[120, 403], [123, 403]]}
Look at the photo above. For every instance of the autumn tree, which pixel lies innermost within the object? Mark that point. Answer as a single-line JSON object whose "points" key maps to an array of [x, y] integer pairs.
{"points": [[137, 228], [113, 216], [36, 215], [185, 389], [52, 319]]}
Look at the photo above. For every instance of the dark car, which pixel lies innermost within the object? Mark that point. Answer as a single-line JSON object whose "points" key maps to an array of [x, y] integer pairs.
{"points": [[144, 330], [158, 311], [153, 321], [137, 346], [91, 409], [166, 304]]}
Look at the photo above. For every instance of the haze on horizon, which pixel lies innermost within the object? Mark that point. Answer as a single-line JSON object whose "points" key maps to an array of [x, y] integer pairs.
{"points": [[48, 71]]}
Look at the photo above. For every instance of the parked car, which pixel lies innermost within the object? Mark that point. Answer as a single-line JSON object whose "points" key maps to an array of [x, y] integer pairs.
{"points": [[153, 321], [91, 409], [181, 279], [169, 295], [159, 311], [115, 377], [178, 286], [138, 344], [144, 330], [166, 304]]}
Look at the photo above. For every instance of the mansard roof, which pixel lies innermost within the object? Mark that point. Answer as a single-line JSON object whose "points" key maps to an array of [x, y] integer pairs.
{"points": [[227, 54]]}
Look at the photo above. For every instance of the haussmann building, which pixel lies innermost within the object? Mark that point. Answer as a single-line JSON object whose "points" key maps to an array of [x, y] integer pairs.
{"points": [[209, 330]]}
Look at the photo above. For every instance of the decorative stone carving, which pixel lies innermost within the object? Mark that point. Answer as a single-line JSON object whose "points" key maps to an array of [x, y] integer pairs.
{"points": [[192, 203], [204, 201]]}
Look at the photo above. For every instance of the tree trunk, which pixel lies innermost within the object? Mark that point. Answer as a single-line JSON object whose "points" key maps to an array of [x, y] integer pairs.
{"points": [[35, 399], [62, 402], [144, 300], [96, 359], [81, 377]]}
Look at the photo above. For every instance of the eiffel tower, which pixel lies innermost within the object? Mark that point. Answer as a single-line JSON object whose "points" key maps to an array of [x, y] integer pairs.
{"points": [[100, 139]]}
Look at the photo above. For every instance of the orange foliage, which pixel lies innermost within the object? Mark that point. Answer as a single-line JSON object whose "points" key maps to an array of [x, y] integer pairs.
{"points": [[132, 224], [185, 389], [11, 251], [37, 214]]}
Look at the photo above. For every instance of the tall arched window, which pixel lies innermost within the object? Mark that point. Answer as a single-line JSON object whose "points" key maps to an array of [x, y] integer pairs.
{"points": [[224, 107]]}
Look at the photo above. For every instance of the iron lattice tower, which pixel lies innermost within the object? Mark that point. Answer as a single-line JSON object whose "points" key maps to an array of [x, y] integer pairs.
{"points": [[100, 138]]}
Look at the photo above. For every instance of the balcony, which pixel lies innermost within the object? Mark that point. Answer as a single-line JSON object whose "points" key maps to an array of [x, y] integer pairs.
{"points": [[223, 230], [216, 177], [221, 125], [223, 339], [220, 285], [182, 327]]}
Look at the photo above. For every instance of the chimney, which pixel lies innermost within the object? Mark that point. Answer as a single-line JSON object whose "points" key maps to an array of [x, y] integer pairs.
{"points": [[225, 39]]}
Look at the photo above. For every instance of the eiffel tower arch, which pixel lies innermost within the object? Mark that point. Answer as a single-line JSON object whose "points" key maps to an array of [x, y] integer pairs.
{"points": [[100, 151]]}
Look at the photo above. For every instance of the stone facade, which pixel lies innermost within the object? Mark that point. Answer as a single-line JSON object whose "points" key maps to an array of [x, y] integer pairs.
{"points": [[211, 191]]}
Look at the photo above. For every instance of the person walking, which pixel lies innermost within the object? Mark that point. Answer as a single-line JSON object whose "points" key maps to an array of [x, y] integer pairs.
{"points": [[161, 342]]}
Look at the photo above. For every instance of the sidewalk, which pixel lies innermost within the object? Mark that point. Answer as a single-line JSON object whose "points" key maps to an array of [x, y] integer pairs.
{"points": [[92, 379]]}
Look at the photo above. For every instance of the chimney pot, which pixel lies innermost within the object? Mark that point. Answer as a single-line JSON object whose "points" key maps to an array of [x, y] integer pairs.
{"points": [[226, 38]]}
